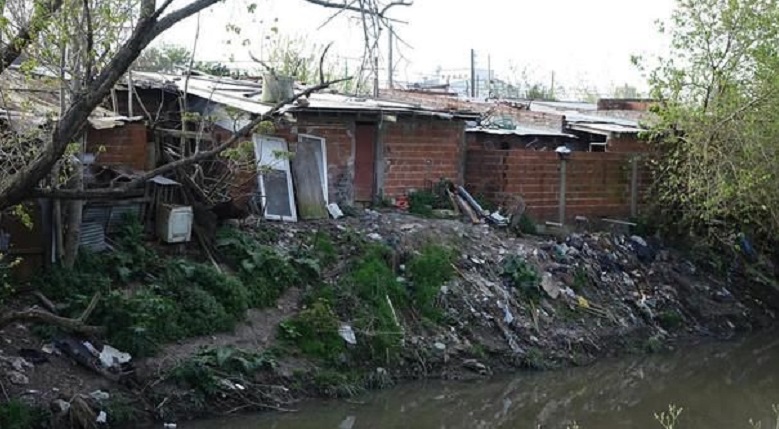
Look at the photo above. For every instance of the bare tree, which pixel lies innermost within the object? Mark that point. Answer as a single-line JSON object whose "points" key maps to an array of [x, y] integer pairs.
{"points": [[152, 22]]}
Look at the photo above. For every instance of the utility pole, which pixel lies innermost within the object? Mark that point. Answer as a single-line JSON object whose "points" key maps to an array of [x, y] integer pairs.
{"points": [[473, 73], [390, 66], [376, 77], [489, 76], [551, 88]]}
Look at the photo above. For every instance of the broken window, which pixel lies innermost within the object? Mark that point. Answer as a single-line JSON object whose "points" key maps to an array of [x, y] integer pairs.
{"points": [[274, 178]]}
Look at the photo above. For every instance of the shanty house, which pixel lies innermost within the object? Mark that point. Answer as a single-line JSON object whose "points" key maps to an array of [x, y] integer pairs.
{"points": [[365, 148]]}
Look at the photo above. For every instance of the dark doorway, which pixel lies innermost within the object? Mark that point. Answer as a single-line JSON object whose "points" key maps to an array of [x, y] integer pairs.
{"points": [[364, 162]]}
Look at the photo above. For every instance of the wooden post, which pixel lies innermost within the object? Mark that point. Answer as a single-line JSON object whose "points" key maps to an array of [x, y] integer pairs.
{"points": [[561, 203], [634, 187]]}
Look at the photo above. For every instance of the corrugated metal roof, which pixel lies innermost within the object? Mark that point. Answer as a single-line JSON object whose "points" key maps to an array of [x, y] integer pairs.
{"points": [[604, 128], [520, 131], [246, 96], [31, 102]]}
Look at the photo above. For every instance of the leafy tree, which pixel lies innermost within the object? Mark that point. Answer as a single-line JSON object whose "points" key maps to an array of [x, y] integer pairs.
{"points": [[167, 58], [717, 131]]}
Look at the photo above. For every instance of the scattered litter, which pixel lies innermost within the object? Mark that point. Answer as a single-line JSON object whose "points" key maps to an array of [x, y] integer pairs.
{"points": [[102, 418], [60, 406], [550, 286], [347, 333], [20, 364], [169, 426], [348, 422], [440, 346], [335, 211], [17, 378], [111, 357], [100, 396], [476, 366], [375, 236]]}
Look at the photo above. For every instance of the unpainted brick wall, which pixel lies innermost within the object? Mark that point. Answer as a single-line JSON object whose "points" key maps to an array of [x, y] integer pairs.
{"points": [[627, 143], [597, 184], [120, 146], [418, 152], [339, 137]]}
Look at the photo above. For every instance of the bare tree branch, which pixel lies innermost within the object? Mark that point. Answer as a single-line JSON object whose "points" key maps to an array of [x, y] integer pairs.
{"points": [[350, 5]]}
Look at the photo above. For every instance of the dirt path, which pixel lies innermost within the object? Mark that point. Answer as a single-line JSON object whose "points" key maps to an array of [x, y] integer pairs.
{"points": [[256, 333]]}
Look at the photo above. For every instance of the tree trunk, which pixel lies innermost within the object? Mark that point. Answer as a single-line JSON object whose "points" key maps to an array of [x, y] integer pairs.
{"points": [[75, 216]]}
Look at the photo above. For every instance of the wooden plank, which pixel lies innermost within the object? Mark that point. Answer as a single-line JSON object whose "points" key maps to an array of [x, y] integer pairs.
{"points": [[308, 185], [466, 208], [202, 136]]}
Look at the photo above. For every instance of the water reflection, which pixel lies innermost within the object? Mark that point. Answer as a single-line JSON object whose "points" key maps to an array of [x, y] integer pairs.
{"points": [[719, 386]]}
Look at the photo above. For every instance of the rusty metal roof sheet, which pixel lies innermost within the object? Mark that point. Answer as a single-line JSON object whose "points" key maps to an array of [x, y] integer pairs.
{"points": [[246, 96]]}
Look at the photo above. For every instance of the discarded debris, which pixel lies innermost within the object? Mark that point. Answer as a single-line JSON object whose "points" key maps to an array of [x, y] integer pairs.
{"points": [[17, 378], [335, 211], [347, 333]]}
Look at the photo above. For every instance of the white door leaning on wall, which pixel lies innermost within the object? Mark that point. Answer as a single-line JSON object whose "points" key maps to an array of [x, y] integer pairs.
{"points": [[274, 178]]}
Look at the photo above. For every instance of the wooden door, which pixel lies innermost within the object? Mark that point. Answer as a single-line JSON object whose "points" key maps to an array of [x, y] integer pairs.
{"points": [[364, 162]]}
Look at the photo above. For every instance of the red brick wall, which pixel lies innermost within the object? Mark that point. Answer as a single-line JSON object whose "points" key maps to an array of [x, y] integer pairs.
{"points": [[419, 152], [627, 143], [597, 184], [120, 146]]}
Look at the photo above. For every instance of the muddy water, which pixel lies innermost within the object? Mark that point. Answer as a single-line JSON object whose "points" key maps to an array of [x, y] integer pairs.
{"points": [[719, 386]]}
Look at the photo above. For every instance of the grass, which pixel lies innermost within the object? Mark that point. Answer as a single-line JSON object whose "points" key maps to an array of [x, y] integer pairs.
{"points": [[429, 271], [15, 414]]}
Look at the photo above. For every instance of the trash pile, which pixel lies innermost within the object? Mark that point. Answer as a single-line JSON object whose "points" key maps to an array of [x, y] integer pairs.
{"points": [[550, 293]]}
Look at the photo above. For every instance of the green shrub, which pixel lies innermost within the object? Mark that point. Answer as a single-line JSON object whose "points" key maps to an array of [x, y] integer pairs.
{"points": [[228, 291], [16, 414], [315, 332], [422, 203], [429, 271], [205, 371], [522, 276], [265, 273], [527, 225]]}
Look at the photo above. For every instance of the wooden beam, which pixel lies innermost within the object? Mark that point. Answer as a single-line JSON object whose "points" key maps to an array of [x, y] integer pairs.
{"points": [[187, 134]]}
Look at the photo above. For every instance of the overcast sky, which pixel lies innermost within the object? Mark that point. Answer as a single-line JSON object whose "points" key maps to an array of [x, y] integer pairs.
{"points": [[584, 42]]}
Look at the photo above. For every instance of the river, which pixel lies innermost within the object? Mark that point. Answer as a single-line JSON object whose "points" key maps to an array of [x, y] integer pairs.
{"points": [[719, 386]]}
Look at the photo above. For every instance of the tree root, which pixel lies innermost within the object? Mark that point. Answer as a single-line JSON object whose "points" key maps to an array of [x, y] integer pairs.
{"points": [[77, 325]]}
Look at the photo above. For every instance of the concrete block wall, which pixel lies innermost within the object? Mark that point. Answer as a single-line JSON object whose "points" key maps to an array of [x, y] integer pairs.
{"points": [[597, 184], [126, 146]]}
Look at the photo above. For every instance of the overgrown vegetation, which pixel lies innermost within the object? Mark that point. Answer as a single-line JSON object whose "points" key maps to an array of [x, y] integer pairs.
{"points": [[715, 132], [522, 276], [429, 271], [148, 299], [15, 414], [265, 273]]}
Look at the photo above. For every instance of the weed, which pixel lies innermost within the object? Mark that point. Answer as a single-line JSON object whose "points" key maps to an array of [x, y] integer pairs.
{"points": [[324, 249], [336, 384], [534, 359], [16, 414], [526, 225], [653, 344], [668, 419], [265, 273], [421, 203], [429, 271], [206, 371], [580, 280], [522, 276], [121, 410], [670, 319], [315, 332]]}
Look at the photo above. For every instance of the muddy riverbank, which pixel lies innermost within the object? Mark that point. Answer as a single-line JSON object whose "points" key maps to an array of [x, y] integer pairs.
{"points": [[378, 299]]}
